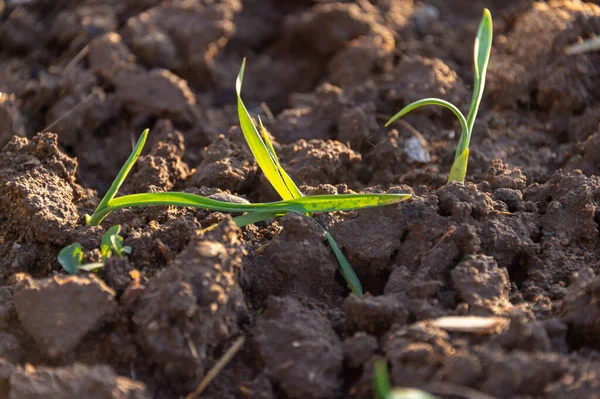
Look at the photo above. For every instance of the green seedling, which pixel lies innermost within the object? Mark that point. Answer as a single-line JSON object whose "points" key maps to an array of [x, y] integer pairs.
{"points": [[262, 148], [71, 257], [112, 244], [255, 212], [383, 387], [482, 49], [264, 153]]}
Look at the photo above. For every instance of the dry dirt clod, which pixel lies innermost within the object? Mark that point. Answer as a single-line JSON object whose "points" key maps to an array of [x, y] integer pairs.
{"points": [[75, 381], [300, 350], [482, 285], [37, 188], [328, 27], [359, 348], [192, 307], [278, 269], [374, 315], [228, 164], [158, 92], [59, 311], [195, 31]]}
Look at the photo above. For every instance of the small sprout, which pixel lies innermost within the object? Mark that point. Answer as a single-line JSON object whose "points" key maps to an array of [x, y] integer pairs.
{"points": [[71, 257], [112, 244], [481, 55]]}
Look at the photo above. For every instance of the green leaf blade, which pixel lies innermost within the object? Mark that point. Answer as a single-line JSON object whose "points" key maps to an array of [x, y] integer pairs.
{"points": [[316, 203], [481, 56], [255, 142], [287, 180], [381, 379], [346, 202], [70, 258], [96, 218], [430, 101], [345, 266], [442, 103]]}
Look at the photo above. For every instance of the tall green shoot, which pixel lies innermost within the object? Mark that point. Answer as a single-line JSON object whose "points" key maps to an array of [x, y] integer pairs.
{"points": [[279, 178], [481, 56]]}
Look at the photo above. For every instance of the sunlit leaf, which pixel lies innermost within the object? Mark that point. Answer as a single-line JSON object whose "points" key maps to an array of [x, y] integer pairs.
{"points": [[70, 258]]}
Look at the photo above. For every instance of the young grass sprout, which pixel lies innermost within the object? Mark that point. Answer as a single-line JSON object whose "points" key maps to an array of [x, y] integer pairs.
{"points": [[71, 257], [264, 153], [482, 49]]}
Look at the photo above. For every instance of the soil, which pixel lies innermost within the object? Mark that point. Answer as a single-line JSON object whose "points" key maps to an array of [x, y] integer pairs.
{"points": [[520, 240]]}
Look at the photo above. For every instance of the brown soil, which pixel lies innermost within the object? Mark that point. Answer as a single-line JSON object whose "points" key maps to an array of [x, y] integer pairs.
{"points": [[519, 240]]}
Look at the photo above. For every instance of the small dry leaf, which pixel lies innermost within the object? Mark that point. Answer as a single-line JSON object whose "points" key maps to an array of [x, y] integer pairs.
{"points": [[471, 324]]}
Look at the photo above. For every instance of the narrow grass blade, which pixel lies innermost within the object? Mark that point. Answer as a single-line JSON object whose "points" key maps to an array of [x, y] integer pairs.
{"points": [[316, 203], [287, 180], [381, 379], [345, 266], [346, 202], [257, 146], [114, 188], [116, 185], [459, 168], [481, 57], [442, 103]]}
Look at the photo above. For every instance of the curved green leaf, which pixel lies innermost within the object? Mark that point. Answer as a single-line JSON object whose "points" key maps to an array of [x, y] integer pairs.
{"points": [[287, 180], [430, 101], [442, 103], [316, 203], [345, 266], [116, 184], [255, 142]]}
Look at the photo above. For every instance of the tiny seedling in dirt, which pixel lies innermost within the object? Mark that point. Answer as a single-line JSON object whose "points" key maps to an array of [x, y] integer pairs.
{"points": [[482, 49], [71, 257], [264, 153], [383, 387]]}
